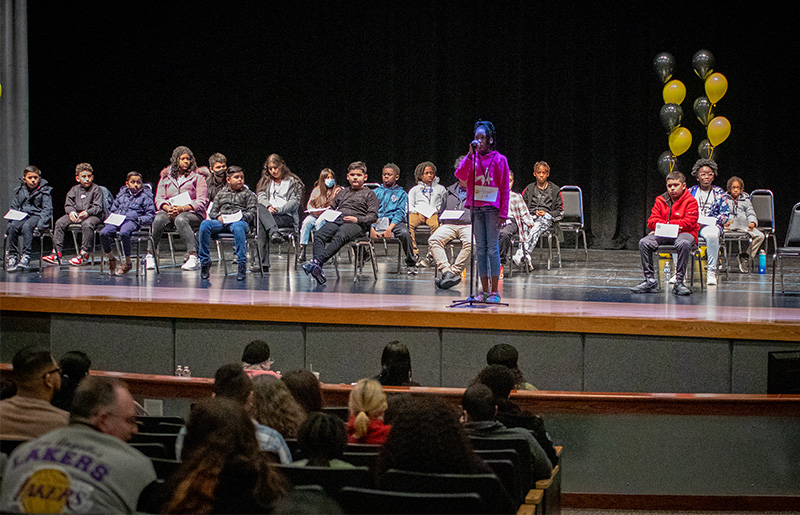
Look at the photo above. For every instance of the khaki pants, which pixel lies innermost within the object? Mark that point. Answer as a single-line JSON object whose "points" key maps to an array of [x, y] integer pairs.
{"points": [[414, 219], [443, 235]]}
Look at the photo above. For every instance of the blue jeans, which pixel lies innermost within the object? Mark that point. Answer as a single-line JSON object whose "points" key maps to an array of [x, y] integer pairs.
{"points": [[487, 236], [211, 228], [109, 232]]}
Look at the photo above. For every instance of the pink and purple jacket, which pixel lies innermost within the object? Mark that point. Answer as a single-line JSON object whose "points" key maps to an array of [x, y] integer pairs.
{"points": [[193, 183], [493, 172]]}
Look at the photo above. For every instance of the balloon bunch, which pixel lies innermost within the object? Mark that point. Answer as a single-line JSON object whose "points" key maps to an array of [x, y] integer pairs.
{"points": [[718, 128], [671, 114]]}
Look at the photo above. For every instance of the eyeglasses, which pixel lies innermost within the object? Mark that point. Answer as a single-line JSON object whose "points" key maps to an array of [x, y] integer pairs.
{"points": [[57, 369]]}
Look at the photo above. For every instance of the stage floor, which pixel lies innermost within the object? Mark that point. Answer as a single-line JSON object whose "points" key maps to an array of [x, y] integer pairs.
{"points": [[581, 296]]}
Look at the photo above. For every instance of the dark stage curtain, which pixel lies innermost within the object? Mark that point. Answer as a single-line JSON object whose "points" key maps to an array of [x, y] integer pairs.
{"points": [[327, 83]]}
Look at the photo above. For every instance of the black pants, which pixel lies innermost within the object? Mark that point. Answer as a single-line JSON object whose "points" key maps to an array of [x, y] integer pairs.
{"points": [[333, 236], [683, 247], [506, 233], [269, 223]]}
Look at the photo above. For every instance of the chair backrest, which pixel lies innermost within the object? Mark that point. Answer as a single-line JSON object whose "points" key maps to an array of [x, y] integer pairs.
{"points": [[361, 459], [8, 446], [573, 205], [364, 500], [368, 448], [151, 449], [331, 479], [108, 200], [793, 231], [488, 486], [508, 474], [519, 445], [164, 467], [165, 439], [149, 423], [763, 204]]}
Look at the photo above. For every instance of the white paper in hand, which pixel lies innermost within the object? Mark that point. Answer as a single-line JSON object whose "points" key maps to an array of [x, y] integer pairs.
{"points": [[115, 219], [183, 199], [451, 214], [426, 210], [707, 220], [233, 217], [667, 230], [330, 215], [14, 215], [382, 224]]}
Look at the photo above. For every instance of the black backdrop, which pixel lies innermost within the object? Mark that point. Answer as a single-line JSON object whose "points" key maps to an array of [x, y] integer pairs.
{"points": [[325, 83]]}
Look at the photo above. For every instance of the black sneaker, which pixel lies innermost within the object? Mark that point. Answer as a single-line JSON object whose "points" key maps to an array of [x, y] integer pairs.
{"points": [[308, 267], [744, 263], [681, 289], [449, 279], [276, 238], [205, 270], [318, 274], [646, 286], [12, 263], [242, 273]]}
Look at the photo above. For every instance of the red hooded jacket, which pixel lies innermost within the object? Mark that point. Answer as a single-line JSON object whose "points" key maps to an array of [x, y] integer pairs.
{"points": [[682, 212]]}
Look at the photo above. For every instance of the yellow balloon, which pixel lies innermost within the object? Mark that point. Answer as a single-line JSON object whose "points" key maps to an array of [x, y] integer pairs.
{"points": [[680, 139], [716, 87], [718, 130], [674, 92]]}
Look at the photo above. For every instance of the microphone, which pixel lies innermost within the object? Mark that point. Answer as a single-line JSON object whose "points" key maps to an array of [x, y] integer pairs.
{"points": [[475, 143]]}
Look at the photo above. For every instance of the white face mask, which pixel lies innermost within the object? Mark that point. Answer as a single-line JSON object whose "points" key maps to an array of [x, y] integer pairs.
{"points": [[329, 183]]}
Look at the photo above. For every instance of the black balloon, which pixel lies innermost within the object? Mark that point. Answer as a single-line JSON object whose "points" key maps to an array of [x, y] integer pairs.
{"points": [[666, 163], [702, 110], [671, 116], [663, 64], [707, 151], [703, 63]]}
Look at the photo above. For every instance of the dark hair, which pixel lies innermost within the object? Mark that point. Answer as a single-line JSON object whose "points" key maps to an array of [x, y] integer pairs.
{"points": [[232, 382], [256, 351], [506, 355], [92, 394], [491, 134], [735, 179], [266, 177], [426, 436], [704, 162], [420, 169], [395, 365], [30, 362], [83, 167], [217, 158], [176, 155], [305, 388], [31, 169], [392, 166], [357, 165], [74, 367], [543, 164], [499, 379], [232, 170], [675, 175], [323, 438], [478, 401], [133, 173]]}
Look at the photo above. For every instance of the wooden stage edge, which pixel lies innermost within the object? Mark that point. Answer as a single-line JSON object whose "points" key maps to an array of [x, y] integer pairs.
{"points": [[580, 321]]}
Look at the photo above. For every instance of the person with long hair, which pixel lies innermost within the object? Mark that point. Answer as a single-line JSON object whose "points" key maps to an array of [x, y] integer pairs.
{"points": [[305, 389], [396, 365], [184, 215], [75, 366], [323, 439], [275, 407], [222, 469], [485, 171], [321, 197], [367, 405], [279, 192]]}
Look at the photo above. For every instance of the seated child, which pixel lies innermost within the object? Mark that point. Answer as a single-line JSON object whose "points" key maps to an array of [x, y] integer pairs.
{"points": [[427, 192], [545, 204], [367, 406], [743, 219], [84, 205], [135, 202], [33, 197], [392, 213], [323, 439], [359, 209], [325, 189], [233, 199]]}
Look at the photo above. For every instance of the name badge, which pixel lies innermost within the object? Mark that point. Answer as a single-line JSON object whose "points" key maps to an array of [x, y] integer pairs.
{"points": [[485, 194]]}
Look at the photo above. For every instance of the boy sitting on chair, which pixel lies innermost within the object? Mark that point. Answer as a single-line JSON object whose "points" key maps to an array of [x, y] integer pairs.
{"points": [[234, 211], [676, 206], [359, 209], [135, 203], [33, 198], [392, 211]]}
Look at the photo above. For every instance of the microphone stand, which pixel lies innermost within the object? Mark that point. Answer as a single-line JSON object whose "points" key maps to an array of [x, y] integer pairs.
{"points": [[473, 301]]}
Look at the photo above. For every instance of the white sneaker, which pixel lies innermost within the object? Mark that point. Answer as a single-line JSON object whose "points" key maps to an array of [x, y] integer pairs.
{"points": [[149, 262], [193, 263], [517, 257], [672, 280], [711, 280]]}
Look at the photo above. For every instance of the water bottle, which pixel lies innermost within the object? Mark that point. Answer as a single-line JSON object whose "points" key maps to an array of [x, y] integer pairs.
{"points": [[762, 262], [667, 272], [179, 371], [187, 372]]}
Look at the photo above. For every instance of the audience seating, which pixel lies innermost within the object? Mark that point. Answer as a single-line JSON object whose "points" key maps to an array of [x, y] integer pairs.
{"points": [[522, 449], [8, 446], [364, 500], [151, 449], [331, 479], [791, 247], [164, 467], [165, 439]]}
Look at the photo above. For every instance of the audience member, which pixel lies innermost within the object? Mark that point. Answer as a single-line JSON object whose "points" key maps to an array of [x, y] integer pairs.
{"points": [[678, 207], [323, 439], [275, 407], [85, 206], [181, 200], [507, 355], [321, 197], [396, 366], [222, 470], [135, 202], [29, 414], [86, 467], [743, 219], [75, 366], [358, 208], [367, 406], [450, 229], [32, 197], [424, 201], [305, 389], [392, 214], [279, 192], [480, 412], [256, 360], [545, 204], [712, 202], [501, 381]]}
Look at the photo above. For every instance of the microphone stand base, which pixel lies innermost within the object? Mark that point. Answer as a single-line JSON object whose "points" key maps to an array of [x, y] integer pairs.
{"points": [[474, 302]]}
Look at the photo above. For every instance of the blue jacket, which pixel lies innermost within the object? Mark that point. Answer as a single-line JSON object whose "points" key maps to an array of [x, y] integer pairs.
{"points": [[140, 208], [38, 202], [393, 203]]}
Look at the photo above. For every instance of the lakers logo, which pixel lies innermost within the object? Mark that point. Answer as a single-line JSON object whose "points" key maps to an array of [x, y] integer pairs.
{"points": [[50, 491]]}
